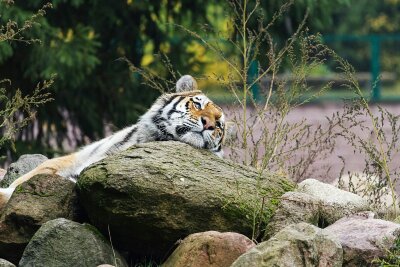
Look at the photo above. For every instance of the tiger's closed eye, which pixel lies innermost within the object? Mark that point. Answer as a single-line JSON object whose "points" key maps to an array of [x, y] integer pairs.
{"points": [[197, 105]]}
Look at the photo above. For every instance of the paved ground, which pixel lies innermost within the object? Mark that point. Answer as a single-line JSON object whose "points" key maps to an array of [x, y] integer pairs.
{"points": [[315, 114]]}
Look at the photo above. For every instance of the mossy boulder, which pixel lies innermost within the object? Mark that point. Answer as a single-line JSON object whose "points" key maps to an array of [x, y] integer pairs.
{"points": [[64, 243], [154, 194], [42, 198]]}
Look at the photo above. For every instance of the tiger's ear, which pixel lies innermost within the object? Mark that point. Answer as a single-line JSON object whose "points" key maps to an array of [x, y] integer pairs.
{"points": [[186, 83], [230, 132]]}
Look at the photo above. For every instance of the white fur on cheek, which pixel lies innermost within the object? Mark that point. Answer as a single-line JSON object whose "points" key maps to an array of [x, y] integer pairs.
{"points": [[193, 139], [220, 154]]}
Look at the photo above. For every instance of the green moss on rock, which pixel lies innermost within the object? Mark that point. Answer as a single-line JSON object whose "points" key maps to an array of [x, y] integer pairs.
{"points": [[42, 198], [165, 191], [64, 243]]}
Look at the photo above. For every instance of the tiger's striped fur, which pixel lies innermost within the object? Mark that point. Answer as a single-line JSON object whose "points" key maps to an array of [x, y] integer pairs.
{"points": [[187, 116]]}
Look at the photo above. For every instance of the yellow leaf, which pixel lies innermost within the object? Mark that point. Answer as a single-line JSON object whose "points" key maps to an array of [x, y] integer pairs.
{"points": [[70, 36], [53, 43], [153, 17], [147, 60], [91, 34], [165, 47], [60, 35]]}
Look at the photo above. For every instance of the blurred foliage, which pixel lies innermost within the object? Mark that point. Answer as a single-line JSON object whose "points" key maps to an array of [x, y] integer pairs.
{"points": [[83, 40], [363, 18], [320, 14], [81, 43], [366, 17], [17, 109]]}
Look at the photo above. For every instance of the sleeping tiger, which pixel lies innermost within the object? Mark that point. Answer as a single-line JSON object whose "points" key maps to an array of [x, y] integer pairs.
{"points": [[187, 116]]}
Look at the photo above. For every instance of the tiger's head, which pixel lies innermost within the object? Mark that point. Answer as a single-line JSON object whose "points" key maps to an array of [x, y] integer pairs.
{"points": [[190, 117]]}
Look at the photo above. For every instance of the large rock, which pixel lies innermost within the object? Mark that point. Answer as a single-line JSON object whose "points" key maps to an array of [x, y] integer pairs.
{"points": [[209, 249], [23, 165], [299, 244], [316, 203], [64, 243], [42, 198], [165, 191], [364, 238]]}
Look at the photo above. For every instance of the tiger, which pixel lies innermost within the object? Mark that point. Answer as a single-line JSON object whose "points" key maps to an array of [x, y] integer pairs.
{"points": [[187, 115]]}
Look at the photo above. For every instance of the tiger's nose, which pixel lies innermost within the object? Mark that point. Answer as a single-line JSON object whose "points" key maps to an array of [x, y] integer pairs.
{"points": [[207, 123]]}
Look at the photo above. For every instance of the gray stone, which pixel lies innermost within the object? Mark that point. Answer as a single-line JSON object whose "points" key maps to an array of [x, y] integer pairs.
{"points": [[364, 238], [4, 263], [209, 249], [64, 243], [23, 165], [330, 194], [295, 207], [316, 203], [165, 191], [333, 202], [299, 244], [42, 198]]}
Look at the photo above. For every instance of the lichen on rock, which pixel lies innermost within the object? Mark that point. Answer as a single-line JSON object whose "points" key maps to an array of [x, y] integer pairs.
{"points": [[165, 191], [64, 243], [299, 244], [44, 197]]}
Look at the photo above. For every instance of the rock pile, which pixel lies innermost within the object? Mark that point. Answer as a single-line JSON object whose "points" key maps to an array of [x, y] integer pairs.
{"points": [[186, 207], [144, 199], [316, 203], [42, 198]]}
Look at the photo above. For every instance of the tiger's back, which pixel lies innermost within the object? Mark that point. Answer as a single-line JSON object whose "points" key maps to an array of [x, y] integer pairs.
{"points": [[187, 116]]}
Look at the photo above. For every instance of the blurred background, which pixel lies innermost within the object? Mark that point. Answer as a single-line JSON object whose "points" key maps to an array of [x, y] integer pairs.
{"points": [[94, 91]]}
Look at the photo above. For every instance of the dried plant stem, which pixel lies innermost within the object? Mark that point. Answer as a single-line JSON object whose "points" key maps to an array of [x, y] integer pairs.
{"points": [[17, 110], [244, 79], [282, 53], [383, 163]]}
